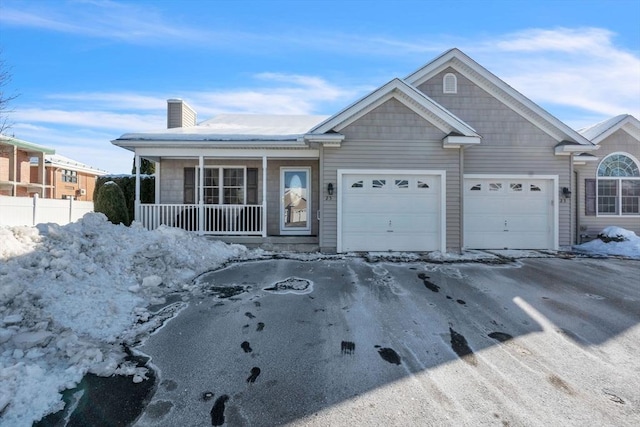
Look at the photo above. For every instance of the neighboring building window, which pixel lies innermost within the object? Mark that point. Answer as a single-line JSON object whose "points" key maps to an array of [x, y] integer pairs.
{"points": [[222, 185], [450, 83], [69, 176], [618, 185]]}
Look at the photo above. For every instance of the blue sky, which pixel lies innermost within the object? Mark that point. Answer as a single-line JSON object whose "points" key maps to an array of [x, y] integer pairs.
{"points": [[88, 71]]}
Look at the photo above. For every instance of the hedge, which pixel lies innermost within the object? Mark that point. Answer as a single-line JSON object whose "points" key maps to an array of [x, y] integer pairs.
{"points": [[127, 184]]}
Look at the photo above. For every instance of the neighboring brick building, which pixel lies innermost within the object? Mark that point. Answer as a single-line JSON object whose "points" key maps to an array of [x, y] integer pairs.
{"points": [[22, 171], [68, 178]]}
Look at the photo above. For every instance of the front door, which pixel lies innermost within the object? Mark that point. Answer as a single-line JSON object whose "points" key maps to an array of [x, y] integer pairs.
{"points": [[295, 201]]}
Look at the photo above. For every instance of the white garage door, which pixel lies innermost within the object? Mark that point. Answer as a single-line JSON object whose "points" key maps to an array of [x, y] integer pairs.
{"points": [[508, 213], [390, 212]]}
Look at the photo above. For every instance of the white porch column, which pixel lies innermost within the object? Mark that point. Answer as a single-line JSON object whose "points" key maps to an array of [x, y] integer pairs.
{"points": [[157, 181], [200, 181], [264, 196], [136, 209]]}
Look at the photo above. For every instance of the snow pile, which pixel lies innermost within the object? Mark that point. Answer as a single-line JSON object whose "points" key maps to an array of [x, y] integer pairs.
{"points": [[613, 241], [71, 295]]}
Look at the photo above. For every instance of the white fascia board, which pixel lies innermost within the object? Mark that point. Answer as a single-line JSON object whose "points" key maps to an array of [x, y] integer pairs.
{"points": [[406, 94], [456, 141], [629, 124], [469, 68], [182, 144], [326, 139], [253, 153], [567, 149], [579, 161]]}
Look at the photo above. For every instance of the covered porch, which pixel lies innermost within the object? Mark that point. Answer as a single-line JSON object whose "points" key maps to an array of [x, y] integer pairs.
{"points": [[233, 193]]}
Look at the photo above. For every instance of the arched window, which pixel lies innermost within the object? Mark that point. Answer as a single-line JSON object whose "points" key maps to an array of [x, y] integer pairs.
{"points": [[450, 83], [618, 189]]}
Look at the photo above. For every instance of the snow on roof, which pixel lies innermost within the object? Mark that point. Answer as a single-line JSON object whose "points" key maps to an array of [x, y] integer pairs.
{"points": [[25, 145], [58, 160], [237, 127], [594, 131]]}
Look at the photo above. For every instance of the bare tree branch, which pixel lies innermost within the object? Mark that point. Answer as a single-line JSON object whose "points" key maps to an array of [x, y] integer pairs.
{"points": [[5, 98]]}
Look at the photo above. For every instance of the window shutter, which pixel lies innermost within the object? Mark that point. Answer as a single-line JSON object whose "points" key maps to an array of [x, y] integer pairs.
{"points": [[189, 189], [589, 197], [252, 186]]}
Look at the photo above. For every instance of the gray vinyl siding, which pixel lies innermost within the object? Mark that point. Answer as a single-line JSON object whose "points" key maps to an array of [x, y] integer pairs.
{"points": [[391, 137], [510, 143], [619, 141], [172, 184]]}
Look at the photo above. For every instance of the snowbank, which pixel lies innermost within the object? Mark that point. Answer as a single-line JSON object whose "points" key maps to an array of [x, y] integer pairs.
{"points": [[71, 295], [613, 241]]}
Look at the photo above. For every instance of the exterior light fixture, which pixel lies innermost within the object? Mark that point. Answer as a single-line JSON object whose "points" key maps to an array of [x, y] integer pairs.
{"points": [[330, 188], [566, 192]]}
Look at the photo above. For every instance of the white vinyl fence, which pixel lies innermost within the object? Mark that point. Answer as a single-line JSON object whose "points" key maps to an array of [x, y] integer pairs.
{"points": [[31, 211]]}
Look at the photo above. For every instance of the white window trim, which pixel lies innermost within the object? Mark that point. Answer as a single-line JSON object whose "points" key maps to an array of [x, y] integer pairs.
{"points": [[444, 83], [618, 188], [442, 174], [221, 169]]}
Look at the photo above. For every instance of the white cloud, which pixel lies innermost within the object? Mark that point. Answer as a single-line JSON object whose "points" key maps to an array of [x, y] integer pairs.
{"points": [[87, 146], [567, 68], [127, 22], [89, 119]]}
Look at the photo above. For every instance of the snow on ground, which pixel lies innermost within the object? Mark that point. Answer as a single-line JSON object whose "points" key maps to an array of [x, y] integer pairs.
{"points": [[613, 241], [71, 295]]}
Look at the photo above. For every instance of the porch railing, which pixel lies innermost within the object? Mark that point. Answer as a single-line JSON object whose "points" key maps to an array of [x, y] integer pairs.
{"points": [[216, 219]]}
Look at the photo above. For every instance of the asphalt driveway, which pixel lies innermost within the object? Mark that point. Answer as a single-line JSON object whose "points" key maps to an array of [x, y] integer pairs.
{"points": [[347, 342]]}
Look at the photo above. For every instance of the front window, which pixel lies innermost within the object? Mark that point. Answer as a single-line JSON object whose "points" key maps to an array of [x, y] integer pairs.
{"points": [[618, 188], [228, 182]]}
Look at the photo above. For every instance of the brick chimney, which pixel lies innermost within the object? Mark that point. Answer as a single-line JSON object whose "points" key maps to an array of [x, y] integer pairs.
{"points": [[180, 114]]}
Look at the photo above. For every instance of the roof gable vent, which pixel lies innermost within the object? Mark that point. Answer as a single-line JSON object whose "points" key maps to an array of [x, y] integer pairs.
{"points": [[450, 83]]}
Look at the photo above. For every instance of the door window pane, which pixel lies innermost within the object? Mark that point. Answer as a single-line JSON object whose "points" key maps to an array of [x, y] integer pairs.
{"points": [[295, 199]]}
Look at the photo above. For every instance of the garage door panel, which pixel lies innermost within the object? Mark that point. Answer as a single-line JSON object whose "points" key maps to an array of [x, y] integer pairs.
{"points": [[508, 213], [388, 211], [407, 241], [382, 203], [385, 224]]}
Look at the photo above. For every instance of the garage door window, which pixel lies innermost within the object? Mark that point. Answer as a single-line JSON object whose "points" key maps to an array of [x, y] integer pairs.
{"points": [[422, 184], [618, 185], [378, 183], [495, 186], [402, 183]]}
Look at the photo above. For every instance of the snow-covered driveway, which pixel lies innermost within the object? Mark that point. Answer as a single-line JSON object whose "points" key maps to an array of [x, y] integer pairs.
{"points": [[546, 341]]}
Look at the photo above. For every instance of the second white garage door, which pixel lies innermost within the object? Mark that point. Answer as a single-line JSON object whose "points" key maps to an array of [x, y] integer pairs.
{"points": [[390, 211], [509, 213]]}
